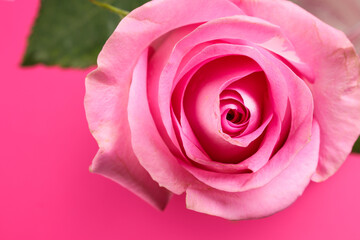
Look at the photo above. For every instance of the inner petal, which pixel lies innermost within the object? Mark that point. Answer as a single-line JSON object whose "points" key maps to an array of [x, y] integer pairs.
{"points": [[247, 90], [203, 102], [234, 116]]}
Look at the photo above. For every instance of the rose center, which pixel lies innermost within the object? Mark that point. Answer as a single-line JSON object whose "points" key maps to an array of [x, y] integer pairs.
{"points": [[235, 115]]}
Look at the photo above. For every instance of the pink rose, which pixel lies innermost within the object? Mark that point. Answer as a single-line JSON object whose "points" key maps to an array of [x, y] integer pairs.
{"points": [[238, 103]]}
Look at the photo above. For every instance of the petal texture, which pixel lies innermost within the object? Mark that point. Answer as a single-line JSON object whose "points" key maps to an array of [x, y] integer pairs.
{"points": [[266, 200]]}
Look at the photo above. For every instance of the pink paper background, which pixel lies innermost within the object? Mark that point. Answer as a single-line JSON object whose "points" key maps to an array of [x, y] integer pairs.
{"points": [[47, 192]]}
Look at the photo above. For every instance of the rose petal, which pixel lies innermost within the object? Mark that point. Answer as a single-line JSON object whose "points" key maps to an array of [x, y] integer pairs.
{"points": [[115, 159], [202, 109], [336, 68], [127, 172], [220, 146], [146, 140], [278, 194], [162, 49]]}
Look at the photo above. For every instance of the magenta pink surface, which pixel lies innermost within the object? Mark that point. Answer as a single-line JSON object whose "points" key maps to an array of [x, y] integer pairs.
{"points": [[47, 192]]}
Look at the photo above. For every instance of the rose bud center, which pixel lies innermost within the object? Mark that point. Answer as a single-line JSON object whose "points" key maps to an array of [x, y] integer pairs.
{"points": [[234, 114]]}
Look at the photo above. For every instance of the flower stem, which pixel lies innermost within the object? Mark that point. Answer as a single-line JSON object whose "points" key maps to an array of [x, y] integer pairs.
{"points": [[122, 13]]}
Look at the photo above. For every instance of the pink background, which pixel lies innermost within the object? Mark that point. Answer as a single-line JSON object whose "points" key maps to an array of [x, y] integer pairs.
{"points": [[47, 192]]}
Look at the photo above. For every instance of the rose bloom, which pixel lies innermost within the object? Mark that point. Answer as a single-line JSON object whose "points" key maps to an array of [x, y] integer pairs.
{"points": [[237, 103]]}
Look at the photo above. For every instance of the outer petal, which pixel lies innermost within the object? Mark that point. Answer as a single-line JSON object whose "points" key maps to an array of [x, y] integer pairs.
{"points": [[127, 171], [260, 202], [147, 143], [337, 76], [115, 159], [107, 88]]}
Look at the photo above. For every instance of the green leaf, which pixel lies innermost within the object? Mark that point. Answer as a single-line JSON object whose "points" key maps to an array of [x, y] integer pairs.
{"points": [[71, 33], [356, 147]]}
